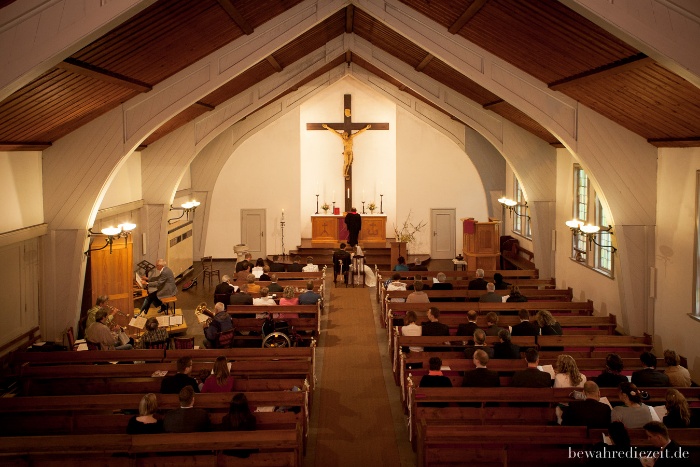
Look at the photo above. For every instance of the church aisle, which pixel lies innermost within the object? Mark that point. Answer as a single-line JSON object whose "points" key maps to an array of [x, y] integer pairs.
{"points": [[355, 423]]}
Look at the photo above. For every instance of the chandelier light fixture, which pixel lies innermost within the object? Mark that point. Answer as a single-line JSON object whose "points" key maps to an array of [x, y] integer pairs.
{"points": [[112, 233], [186, 208]]}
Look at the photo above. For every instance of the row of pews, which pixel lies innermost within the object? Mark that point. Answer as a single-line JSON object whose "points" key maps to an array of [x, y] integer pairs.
{"points": [[72, 408], [506, 426]]}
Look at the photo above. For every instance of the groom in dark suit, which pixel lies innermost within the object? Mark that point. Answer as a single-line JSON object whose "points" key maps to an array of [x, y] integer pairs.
{"points": [[186, 419]]}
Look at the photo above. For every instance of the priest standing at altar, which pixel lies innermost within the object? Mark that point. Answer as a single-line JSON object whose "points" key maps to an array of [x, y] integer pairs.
{"points": [[354, 223]]}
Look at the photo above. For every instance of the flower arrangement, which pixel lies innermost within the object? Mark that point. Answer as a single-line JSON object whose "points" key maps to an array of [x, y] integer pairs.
{"points": [[407, 232], [372, 206], [325, 207]]}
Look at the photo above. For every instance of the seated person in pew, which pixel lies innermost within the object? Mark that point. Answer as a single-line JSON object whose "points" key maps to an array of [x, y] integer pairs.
{"points": [[481, 377], [525, 327], [173, 384], [515, 295], [245, 264], [499, 282], [440, 283], [100, 304], [258, 269], [435, 379], [154, 333], [491, 296], [241, 298], [265, 276], [251, 286], [310, 266], [219, 323], [491, 321], [478, 283], [145, 423], [505, 349], [296, 265], [591, 412], [479, 344], [634, 414], [309, 297], [468, 328], [417, 265], [274, 287], [220, 379], [401, 264], [263, 300], [188, 418], [274, 265], [567, 374], [670, 453], [548, 325], [396, 284], [531, 377], [426, 286], [418, 296], [100, 334], [410, 328], [239, 418], [612, 376], [678, 414], [224, 288], [287, 299], [433, 327], [678, 376], [650, 376], [612, 448]]}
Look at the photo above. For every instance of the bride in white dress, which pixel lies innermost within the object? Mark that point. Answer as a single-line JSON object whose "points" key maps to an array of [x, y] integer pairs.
{"points": [[370, 278]]}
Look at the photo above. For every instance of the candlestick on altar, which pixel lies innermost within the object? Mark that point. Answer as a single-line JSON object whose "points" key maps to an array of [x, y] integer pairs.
{"points": [[363, 207], [333, 208], [316, 204], [381, 204], [282, 228]]}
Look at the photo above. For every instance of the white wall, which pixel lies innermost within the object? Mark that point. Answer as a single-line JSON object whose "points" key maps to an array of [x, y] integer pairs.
{"points": [[675, 231], [433, 172], [263, 173], [19, 289], [21, 190], [510, 193], [126, 185], [374, 165], [587, 283]]}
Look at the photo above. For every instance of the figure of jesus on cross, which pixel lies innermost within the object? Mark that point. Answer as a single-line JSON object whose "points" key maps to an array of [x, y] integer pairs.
{"points": [[345, 132], [347, 146]]}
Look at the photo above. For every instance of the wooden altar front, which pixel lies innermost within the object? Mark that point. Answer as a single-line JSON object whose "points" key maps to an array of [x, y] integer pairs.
{"points": [[327, 231]]}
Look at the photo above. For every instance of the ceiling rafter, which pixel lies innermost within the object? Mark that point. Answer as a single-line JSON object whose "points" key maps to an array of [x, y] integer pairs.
{"points": [[424, 62], [348, 57], [635, 61], [26, 146], [468, 14], [349, 18], [85, 69], [236, 16], [274, 63], [203, 105]]}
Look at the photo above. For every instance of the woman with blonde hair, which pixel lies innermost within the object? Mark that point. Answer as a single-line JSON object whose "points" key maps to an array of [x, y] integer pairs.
{"points": [[145, 422], [567, 374], [678, 413], [288, 298], [221, 379]]}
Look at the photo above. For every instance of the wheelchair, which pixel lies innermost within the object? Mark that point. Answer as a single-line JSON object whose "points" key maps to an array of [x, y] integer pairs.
{"points": [[277, 334]]}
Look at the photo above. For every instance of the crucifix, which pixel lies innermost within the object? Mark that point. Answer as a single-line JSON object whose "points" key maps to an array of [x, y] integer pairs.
{"points": [[345, 132]]}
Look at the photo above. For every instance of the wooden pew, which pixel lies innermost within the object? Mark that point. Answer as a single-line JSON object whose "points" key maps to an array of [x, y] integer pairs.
{"points": [[94, 379], [589, 343], [308, 312], [281, 276], [277, 447]]}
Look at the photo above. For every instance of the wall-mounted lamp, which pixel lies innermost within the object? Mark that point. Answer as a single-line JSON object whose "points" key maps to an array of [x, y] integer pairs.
{"points": [[589, 231], [186, 208], [510, 205], [112, 233]]}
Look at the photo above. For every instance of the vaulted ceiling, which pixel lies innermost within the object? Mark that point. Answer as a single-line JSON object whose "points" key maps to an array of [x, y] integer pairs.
{"points": [[543, 38]]}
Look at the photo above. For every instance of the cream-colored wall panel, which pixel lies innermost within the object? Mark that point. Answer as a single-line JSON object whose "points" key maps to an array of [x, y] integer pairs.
{"points": [[21, 190], [126, 183]]}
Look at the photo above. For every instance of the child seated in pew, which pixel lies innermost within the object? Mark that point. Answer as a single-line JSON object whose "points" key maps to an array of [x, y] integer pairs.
{"points": [[145, 423]]}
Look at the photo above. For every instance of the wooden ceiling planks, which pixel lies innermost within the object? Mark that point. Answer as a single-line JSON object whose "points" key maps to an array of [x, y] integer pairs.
{"points": [[314, 38], [387, 39]]}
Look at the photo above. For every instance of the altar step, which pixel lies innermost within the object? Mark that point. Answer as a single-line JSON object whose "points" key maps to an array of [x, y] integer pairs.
{"points": [[381, 256]]}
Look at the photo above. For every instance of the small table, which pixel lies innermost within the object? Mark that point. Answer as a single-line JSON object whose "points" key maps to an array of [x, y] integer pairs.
{"points": [[457, 263]]}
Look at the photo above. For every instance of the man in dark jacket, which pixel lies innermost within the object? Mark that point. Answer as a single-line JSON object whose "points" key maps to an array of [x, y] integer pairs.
{"points": [[525, 327], [433, 327], [505, 349], [186, 419], [481, 377], [174, 384], [479, 283], [589, 412], [532, 377], [338, 256], [219, 323], [468, 328], [649, 376]]}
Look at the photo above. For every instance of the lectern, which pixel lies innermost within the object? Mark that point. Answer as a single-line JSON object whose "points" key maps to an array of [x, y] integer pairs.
{"points": [[480, 244]]}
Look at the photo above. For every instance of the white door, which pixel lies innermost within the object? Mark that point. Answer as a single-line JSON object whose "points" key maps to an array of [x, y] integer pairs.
{"points": [[253, 231], [442, 223]]}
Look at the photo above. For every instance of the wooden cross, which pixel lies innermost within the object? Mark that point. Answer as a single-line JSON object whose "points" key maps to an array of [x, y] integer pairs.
{"points": [[347, 127]]}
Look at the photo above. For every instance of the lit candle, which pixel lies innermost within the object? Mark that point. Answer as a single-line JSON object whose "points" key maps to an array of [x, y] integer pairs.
{"points": [[282, 210], [348, 193]]}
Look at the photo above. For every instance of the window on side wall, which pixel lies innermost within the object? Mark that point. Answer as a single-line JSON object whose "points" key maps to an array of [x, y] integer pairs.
{"points": [[588, 208]]}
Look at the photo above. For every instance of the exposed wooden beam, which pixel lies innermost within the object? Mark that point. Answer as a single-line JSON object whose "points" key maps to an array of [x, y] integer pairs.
{"points": [[85, 69], [29, 146], [349, 18], [689, 142], [620, 66], [202, 105], [141, 147], [468, 14], [424, 62], [348, 57], [274, 63], [236, 16], [488, 105], [557, 145]]}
